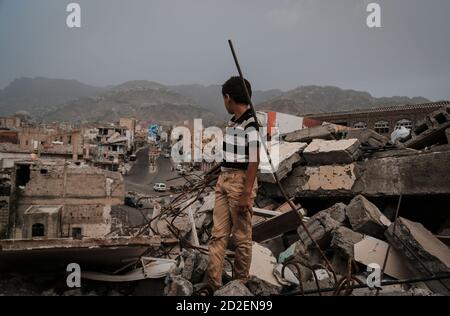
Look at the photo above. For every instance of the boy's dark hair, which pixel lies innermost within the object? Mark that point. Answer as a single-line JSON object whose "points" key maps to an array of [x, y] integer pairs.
{"points": [[234, 88]]}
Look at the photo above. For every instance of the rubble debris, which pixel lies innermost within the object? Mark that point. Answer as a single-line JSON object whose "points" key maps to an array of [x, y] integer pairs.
{"points": [[74, 292], [178, 286], [447, 134], [326, 152], [431, 130], [344, 240], [262, 281], [394, 290], [286, 154], [108, 252], [366, 218], [426, 254], [325, 131], [260, 287], [233, 288], [151, 268], [367, 137], [277, 226], [311, 285], [195, 265], [296, 248], [371, 250], [289, 277], [423, 173], [265, 213], [321, 225], [286, 207]]}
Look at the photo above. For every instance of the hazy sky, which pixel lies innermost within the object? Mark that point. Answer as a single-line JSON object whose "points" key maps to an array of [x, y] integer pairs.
{"points": [[281, 43]]}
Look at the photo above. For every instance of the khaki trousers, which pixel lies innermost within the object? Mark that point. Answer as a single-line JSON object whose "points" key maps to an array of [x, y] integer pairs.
{"points": [[227, 218]]}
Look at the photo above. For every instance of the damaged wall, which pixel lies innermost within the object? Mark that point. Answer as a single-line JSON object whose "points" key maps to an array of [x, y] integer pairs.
{"points": [[419, 174], [86, 194]]}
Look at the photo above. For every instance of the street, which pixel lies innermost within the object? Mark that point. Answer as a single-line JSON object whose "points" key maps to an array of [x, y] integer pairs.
{"points": [[141, 179]]}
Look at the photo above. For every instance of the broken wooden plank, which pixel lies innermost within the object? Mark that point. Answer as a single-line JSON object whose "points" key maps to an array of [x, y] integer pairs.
{"points": [[276, 226]]}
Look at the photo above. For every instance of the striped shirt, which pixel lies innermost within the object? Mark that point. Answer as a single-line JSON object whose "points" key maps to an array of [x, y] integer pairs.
{"points": [[241, 142]]}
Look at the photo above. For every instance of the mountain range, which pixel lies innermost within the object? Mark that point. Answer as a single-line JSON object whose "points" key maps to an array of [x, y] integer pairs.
{"points": [[72, 101]]}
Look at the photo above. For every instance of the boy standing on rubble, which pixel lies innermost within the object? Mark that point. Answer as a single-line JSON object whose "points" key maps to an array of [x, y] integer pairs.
{"points": [[236, 186]]}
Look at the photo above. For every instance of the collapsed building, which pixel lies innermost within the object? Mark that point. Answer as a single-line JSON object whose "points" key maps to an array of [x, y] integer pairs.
{"points": [[57, 200], [108, 146]]}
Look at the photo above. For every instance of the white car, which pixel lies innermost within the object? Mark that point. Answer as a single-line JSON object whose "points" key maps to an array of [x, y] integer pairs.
{"points": [[166, 155], [160, 187], [179, 167]]}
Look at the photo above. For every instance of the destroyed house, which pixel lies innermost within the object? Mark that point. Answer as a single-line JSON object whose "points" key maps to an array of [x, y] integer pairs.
{"points": [[62, 200]]}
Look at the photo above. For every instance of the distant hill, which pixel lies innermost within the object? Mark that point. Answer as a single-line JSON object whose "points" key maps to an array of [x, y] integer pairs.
{"points": [[142, 102], [210, 97], [69, 100], [35, 94], [138, 85], [316, 99]]}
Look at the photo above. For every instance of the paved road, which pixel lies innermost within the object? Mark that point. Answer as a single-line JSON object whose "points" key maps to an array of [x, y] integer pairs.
{"points": [[141, 178]]}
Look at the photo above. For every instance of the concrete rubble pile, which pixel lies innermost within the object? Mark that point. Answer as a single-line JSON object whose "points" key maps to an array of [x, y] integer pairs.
{"points": [[347, 186]]}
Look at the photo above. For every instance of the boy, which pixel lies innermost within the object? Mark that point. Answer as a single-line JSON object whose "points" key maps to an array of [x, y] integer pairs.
{"points": [[236, 186]]}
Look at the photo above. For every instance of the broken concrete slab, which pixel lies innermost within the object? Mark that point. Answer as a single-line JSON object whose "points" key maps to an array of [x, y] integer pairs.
{"points": [[190, 258], [195, 265], [284, 157], [322, 179], [233, 288], [321, 225], [289, 277], [262, 266], [423, 173], [426, 254], [431, 130], [344, 240], [325, 131], [262, 288], [367, 137], [337, 212], [200, 268], [178, 286], [296, 248], [371, 250], [328, 152], [366, 218]]}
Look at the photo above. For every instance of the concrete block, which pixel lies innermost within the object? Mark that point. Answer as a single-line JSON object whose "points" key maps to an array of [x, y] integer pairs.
{"points": [[425, 253], [178, 286], [372, 250], [321, 225], [327, 178], [328, 152], [415, 174], [431, 130], [366, 218], [367, 137], [262, 266], [284, 157], [233, 288], [344, 240], [260, 287], [326, 131]]}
